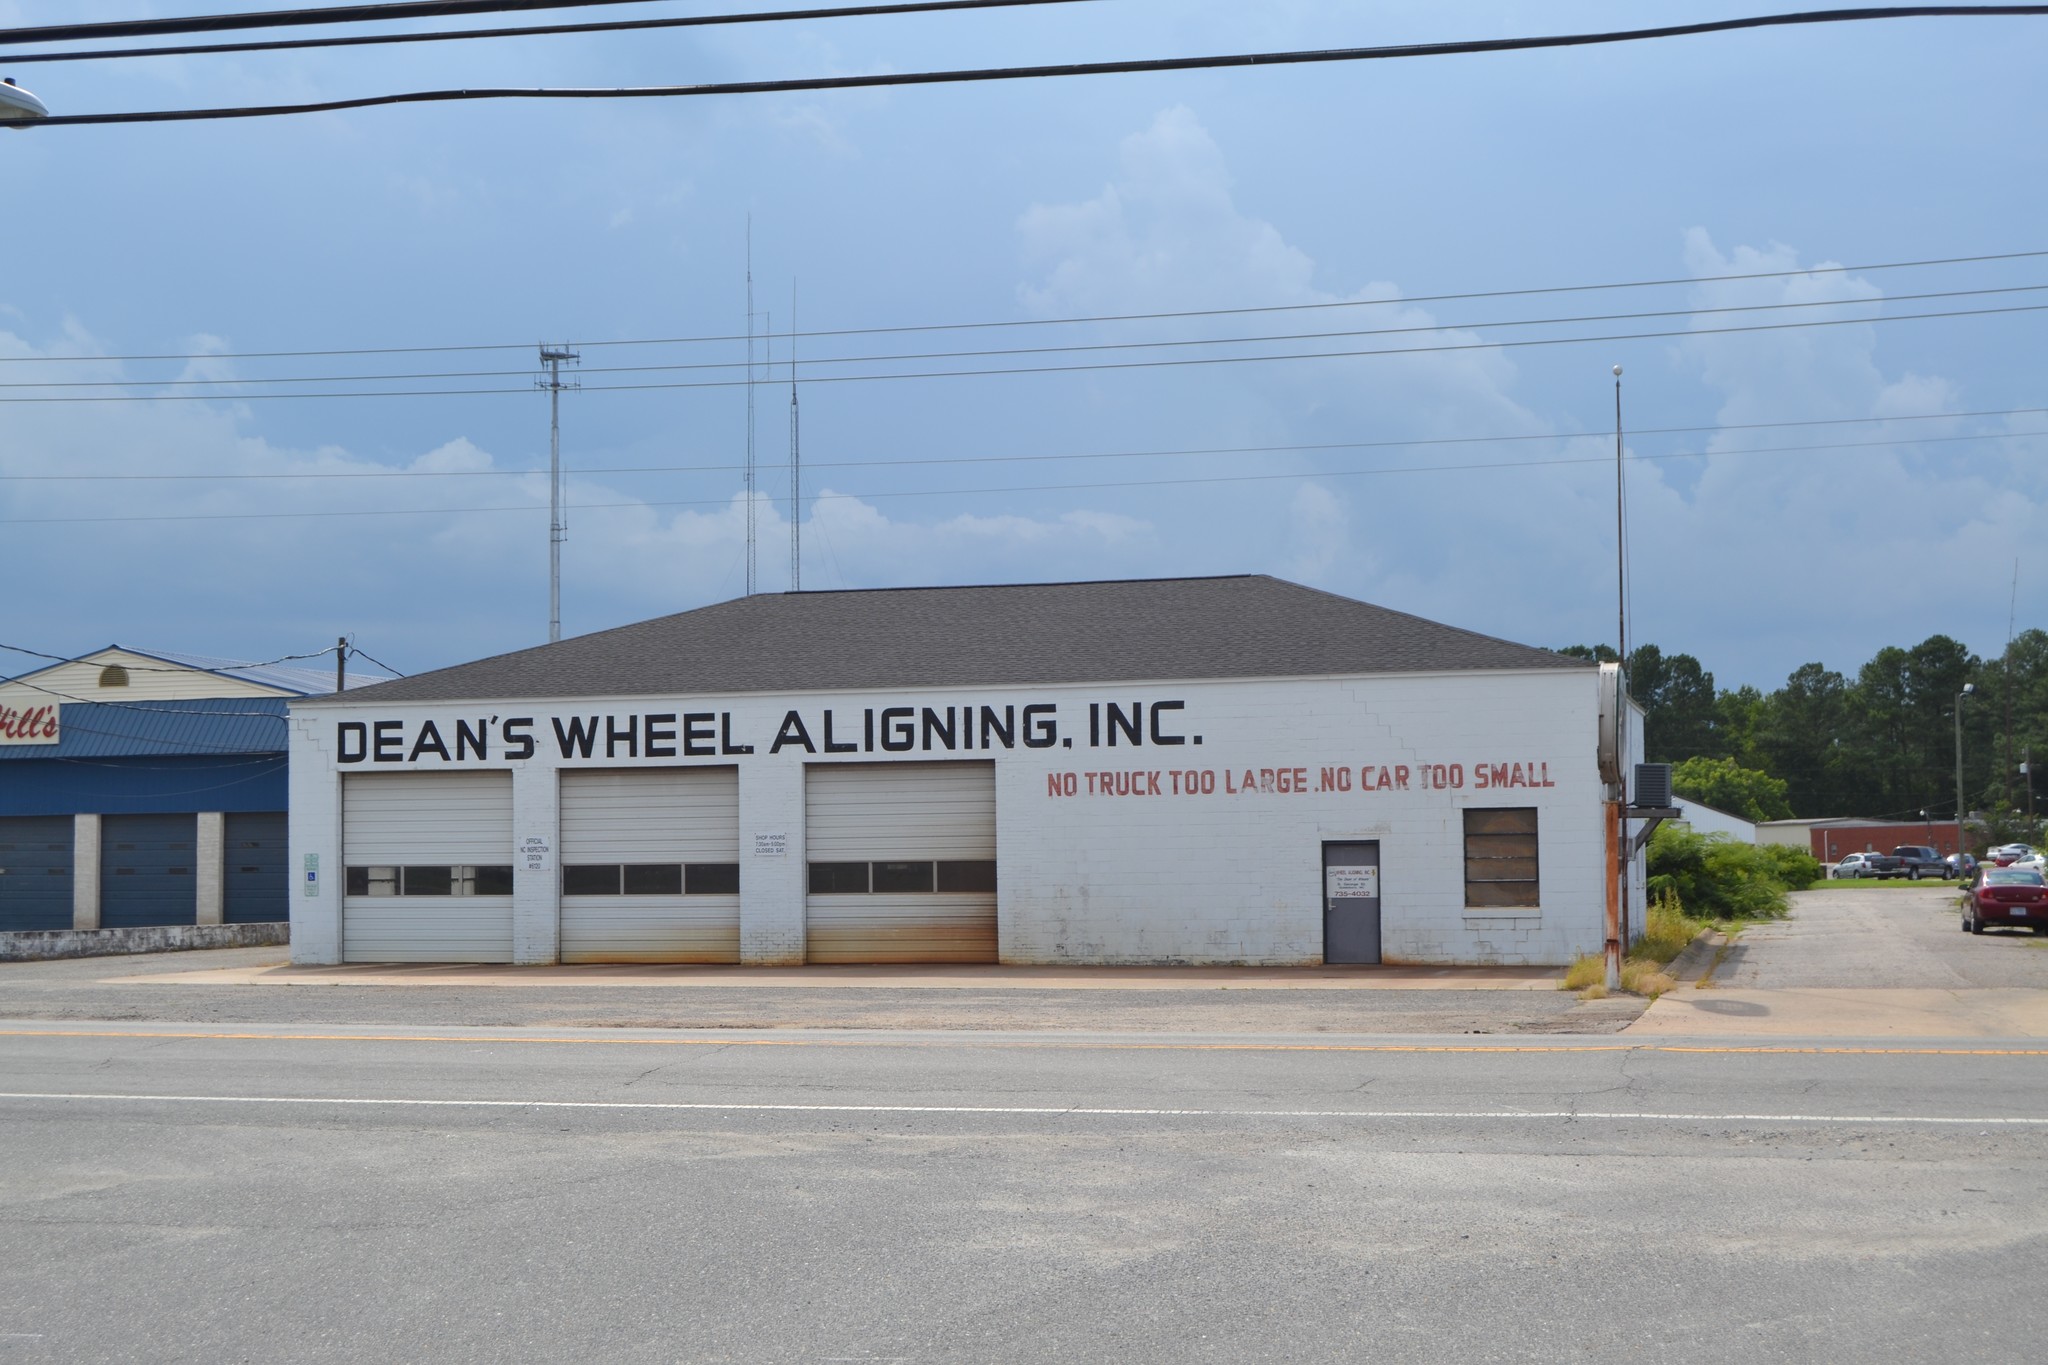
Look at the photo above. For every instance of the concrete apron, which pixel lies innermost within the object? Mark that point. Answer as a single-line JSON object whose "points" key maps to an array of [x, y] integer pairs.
{"points": [[1807, 1012], [673, 976]]}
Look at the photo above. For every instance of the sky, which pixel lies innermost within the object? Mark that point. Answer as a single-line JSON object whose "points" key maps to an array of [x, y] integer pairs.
{"points": [[1794, 493]]}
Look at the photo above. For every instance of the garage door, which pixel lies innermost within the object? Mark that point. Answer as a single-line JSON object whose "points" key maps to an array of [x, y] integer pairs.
{"points": [[147, 865], [902, 862], [254, 886], [651, 865], [429, 867], [35, 872]]}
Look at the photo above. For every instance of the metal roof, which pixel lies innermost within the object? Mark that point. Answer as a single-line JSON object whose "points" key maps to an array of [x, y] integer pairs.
{"points": [[1250, 626], [211, 725]]}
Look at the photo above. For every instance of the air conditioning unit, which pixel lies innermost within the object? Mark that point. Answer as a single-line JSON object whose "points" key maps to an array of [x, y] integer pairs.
{"points": [[1653, 785]]}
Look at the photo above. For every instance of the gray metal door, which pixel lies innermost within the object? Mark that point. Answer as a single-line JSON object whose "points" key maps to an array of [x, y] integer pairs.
{"points": [[146, 870], [255, 887], [35, 872], [1351, 902]]}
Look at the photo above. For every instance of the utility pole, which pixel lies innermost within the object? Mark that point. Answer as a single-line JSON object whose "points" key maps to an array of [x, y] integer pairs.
{"points": [[554, 357], [1962, 840], [1617, 827], [340, 663]]}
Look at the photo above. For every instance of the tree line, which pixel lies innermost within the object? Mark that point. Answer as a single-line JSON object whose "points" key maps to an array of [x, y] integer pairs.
{"points": [[1879, 744]]}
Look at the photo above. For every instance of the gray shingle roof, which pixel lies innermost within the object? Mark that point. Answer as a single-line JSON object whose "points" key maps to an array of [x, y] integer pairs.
{"points": [[1251, 626]]}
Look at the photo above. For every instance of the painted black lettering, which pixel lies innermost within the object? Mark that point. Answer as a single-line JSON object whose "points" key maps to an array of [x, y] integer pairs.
{"points": [[838, 747], [472, 743], [1132, 725], [429, 742], [660, 733], [387, 744], [725, 744], [344, 752], [1004, 729], [613, 735], [898, 729], [792, 732], [1041, 730], [1157, 707], [1094, 724], [868, 720], [934, 726], [700, 738], [575, 740], [518, 743]]}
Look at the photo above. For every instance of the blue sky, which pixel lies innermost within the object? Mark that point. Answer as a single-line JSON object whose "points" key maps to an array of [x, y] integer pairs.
{"points": [[1471, 483]]}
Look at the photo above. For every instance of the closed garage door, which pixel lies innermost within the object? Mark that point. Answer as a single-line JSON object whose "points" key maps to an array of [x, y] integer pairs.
{"points": [[35, 872], [651, 865], [147, 870], [254, 888], [902, 862], [429, 867]]}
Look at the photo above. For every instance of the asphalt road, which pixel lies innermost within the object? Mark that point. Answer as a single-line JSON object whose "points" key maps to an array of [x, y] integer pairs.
{"points": [[1892, 936], [182, 1193]]}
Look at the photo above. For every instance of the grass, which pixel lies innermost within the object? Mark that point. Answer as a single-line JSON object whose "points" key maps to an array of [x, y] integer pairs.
{"points": [[1667, 929]]}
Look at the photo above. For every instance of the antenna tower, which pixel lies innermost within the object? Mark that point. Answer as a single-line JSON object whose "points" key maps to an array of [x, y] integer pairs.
{"points": [[796, 466], [750, 405], [553, 357]]}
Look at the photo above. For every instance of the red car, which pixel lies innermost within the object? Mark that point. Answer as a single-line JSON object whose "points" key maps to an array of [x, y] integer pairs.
{"points": [[2006, 895]]}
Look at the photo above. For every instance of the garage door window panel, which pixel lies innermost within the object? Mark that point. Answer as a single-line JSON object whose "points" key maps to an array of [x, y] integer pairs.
{"points": [[712, 879]]}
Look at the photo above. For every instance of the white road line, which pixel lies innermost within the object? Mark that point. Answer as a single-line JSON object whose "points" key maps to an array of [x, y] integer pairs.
{"points": [[1078, 1111]]}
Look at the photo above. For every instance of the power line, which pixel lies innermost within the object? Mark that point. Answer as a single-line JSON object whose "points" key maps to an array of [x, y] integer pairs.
{"points": [[1057, 322], [1157, 64], [1292, 447], [528, 31], [164, 668], [383, 12], [960, 492], [1072, 349], [386, 667], [1051, 369]]}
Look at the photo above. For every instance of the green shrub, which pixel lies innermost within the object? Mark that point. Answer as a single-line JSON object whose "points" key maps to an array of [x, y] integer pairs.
{"points": [[1716, 878]]}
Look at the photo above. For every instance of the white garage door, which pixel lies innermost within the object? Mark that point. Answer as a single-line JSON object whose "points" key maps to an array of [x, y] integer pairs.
{"points": [[902, 862], [429, 867], [651, 865]]}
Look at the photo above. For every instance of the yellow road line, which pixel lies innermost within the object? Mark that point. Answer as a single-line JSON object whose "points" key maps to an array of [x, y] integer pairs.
{"points": [[1047, 1045]]}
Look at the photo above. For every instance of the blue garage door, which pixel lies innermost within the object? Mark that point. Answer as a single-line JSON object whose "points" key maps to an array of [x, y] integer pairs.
{"points": [[146, 870], [35, 872], [256, 884]]}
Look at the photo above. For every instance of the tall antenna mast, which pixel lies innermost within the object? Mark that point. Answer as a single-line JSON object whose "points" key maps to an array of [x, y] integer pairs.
{"points": [[750, 405], [796, 465], [558, 531]]}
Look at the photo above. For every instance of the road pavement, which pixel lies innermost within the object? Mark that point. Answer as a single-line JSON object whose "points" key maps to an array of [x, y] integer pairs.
{"points": [[185, 1194], [202, 1164], [1875, 962]]}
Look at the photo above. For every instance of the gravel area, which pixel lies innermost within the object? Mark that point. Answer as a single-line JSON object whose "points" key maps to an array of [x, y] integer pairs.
{"points": [[84, 989]]}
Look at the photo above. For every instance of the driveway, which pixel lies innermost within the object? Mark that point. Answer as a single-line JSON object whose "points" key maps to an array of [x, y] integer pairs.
{"points": [[1872, 962]]}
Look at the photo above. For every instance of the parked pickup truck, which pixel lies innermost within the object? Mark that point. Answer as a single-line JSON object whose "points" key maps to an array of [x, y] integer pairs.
{"points": [[1914, 861]]}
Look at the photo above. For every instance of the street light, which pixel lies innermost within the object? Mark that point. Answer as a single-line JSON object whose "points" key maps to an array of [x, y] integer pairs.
{"points": [[1961, 841], [18, 108]]}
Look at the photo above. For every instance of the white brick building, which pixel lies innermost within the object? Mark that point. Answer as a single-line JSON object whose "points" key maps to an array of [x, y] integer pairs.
{"points": [[1234, 770]]}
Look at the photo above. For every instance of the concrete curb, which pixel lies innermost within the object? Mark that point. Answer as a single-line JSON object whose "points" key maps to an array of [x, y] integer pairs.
{"points": [[1692, 965], [42, 945]]}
